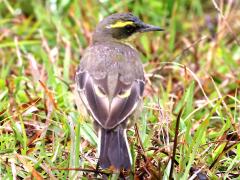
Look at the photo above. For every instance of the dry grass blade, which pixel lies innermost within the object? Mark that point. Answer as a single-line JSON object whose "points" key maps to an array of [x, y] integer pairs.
{"points": [[225, 21], [29, 167], [34, 67], [49, 94], [175, 142], [83, 169]]}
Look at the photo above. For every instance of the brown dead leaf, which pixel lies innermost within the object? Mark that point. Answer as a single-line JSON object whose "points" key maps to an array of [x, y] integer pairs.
{"points": [[49, 94], [29, 168]]}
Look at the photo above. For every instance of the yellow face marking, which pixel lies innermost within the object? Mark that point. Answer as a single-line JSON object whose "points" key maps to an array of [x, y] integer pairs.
{"points": [[120, 24]]}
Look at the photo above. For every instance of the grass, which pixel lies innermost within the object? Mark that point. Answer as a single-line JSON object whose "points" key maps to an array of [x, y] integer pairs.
{"points": [[189, 127]]}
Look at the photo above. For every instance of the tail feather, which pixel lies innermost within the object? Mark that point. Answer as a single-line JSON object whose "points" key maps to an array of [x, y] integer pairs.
{"points": [[114, 150]]}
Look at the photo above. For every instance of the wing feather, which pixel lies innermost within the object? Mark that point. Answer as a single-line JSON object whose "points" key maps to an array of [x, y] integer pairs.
{"points": [[109, 112]]}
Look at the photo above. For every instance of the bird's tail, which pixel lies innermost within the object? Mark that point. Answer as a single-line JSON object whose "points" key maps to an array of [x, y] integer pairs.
{"points": [[114, 148]]}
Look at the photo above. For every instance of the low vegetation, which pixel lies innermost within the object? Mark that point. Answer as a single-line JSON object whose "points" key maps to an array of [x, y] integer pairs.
{"points": [[190, 124]]}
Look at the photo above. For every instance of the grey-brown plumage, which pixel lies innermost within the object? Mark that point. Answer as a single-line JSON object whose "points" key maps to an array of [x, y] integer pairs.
{"points": [[110, 81]]}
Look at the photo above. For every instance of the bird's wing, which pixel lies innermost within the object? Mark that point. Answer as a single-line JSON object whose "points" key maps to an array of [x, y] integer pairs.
{"points": [[108, 112]]}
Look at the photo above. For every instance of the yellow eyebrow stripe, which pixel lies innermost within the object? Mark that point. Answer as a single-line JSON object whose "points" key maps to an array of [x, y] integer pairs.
{"points": [[120, 24]]}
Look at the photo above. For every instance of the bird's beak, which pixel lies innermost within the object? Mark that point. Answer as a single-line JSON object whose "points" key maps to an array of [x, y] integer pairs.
{"points": [[149, 27]]}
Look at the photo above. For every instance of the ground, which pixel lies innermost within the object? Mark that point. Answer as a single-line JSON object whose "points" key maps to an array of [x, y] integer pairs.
{"points": [[190, 124]]}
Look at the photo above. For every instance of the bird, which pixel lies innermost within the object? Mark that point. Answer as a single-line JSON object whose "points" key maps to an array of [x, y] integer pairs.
{"points": [[110, 83]]}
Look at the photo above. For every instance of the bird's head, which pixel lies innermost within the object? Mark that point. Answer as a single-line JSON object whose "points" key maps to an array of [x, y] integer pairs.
{"points": [[121, 27]]}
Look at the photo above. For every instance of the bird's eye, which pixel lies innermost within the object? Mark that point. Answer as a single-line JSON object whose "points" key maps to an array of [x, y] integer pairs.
{"points": [[128, 27]]}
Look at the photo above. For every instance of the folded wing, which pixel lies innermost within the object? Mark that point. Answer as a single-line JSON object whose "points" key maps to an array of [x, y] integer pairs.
{"points": [[109, 112]]}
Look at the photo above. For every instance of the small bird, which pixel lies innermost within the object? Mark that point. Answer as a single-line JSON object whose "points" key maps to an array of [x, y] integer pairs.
{"points": [[110, 82]]}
